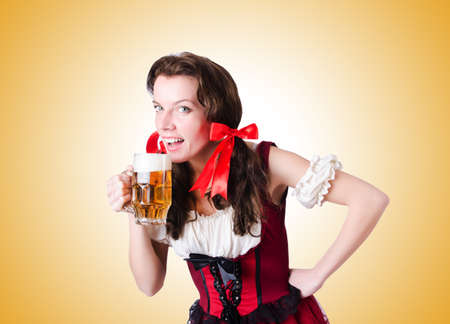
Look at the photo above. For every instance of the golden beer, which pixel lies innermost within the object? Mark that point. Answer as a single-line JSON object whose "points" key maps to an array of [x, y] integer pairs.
{"points": [[151, 191]]}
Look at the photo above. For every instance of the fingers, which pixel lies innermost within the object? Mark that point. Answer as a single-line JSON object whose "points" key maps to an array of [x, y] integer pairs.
{"points": [[119, 192], [118, 181], [118, 204], [128, 170], [118, 189], [119, 177]]}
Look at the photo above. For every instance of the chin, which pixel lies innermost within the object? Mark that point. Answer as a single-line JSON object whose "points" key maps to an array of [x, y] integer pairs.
{"points": [[176, 158]]}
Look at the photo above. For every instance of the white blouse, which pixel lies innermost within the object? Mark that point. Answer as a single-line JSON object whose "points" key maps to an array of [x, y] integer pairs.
{"points": [[213, 235]]}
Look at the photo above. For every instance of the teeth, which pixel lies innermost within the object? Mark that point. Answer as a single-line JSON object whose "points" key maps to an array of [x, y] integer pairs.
{"points": [[174, 140]]}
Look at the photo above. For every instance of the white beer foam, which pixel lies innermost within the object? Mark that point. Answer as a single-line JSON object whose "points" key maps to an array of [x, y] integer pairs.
{"points": [[149, 162]]}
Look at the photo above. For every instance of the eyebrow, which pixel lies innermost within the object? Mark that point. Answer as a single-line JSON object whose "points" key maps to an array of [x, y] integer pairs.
{"points": [[154, 101]]}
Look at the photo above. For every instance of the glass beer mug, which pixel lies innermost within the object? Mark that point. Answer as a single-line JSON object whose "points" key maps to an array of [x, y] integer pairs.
{"points": [[151, 187]]}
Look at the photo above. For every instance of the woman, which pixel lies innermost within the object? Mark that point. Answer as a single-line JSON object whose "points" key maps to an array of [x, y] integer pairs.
{"points": [[227, 213]]}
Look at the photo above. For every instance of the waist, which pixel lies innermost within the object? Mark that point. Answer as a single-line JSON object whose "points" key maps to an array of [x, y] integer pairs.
{"points": [[233, 288], [275, 312]]}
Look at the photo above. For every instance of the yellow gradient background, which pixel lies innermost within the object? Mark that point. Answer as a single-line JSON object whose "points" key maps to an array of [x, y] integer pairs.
{"points": [[366, 81]]}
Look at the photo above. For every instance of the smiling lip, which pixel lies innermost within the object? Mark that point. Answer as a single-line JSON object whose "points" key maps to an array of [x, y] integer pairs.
{"points": [[174, 146], [171, 147]]}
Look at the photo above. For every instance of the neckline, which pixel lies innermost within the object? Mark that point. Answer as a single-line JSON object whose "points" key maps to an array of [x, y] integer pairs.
{"points": [[192, 212], [217, 213]]}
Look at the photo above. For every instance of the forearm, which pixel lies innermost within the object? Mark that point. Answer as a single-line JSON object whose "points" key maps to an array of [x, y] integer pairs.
{"points": [[361, 219], [145, 264]]}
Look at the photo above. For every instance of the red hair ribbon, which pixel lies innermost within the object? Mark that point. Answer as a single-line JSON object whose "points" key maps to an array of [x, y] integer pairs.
{"points": [[155, 144], [220, 172]]}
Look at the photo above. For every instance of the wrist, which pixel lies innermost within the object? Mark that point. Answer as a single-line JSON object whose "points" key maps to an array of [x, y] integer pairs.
{"points": [[320, 275], [131, 215]]}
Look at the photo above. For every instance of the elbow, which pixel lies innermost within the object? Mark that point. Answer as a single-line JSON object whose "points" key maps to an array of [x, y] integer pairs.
{"points": [[383, 200], [380, 201], [377, 200], [150, 285], [149, 292], [148, 282], [152, 290], [153, 286]]}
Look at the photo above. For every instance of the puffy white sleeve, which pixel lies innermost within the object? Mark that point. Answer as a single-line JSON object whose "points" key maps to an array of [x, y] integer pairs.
{"points": [[158, 233], [313, 186]]}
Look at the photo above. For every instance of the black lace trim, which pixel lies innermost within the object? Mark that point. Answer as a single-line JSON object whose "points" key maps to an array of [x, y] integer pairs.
{"points": [[275, 312]]}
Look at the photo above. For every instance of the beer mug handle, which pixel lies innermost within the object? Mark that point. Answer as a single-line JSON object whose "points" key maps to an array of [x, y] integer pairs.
{"points": [[128, 207]]}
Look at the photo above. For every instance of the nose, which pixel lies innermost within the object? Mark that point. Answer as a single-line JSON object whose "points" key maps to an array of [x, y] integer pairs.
{"points": [[164, 120]]}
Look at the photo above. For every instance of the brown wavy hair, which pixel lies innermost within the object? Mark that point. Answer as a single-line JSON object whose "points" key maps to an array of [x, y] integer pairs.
{"points": [[247, 182]]}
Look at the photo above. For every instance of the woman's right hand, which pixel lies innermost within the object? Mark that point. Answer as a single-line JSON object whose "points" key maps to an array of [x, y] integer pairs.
{"points": [[118, 189]]}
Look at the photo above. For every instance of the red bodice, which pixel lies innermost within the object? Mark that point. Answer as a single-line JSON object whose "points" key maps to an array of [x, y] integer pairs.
{"points": [[254, 287]]}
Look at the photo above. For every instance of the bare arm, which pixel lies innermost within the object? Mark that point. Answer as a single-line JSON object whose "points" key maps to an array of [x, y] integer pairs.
{"points": [[366, 205], [363, 215], [148, 259]]}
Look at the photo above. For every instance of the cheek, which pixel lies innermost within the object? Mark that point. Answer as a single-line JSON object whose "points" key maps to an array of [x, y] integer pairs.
{"points": [[204, 131], [157, 122], [200, 130], [205, 128]]}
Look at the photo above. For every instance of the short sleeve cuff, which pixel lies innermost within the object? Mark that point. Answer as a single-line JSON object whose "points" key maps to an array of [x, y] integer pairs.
{"points": [[315, 183], [157, 233]]}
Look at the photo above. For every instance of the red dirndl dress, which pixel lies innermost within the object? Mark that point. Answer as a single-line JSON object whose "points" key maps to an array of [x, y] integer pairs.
{"points": [[253, 288]]}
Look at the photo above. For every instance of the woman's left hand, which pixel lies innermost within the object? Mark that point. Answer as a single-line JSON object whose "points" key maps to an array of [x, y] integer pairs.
{"points": [[307, 280]]}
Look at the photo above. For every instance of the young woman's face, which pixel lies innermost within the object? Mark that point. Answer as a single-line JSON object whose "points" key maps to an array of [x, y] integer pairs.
{"points": [[180, 118]]}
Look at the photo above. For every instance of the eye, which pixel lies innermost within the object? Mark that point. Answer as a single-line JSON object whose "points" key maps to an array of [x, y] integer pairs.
{"points": [[158, 108], [184, 109]]}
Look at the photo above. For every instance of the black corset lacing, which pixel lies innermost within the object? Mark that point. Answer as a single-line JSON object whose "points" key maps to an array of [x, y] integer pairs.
{"points": [[224, 270], [227, 278]]}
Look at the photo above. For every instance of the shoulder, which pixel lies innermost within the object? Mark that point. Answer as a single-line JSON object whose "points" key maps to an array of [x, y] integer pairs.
{"points": [[285, 167]]}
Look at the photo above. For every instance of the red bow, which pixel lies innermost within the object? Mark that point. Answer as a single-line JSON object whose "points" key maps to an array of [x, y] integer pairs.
{"points": [[223, 152], [155, 144]]}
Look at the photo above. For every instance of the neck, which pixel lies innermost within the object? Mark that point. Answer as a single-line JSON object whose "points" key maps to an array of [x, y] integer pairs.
{"points": [[198, 163]]}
